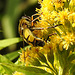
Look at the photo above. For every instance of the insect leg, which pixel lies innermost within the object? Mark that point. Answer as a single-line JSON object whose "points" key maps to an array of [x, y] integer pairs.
{"points": [[32, 19], [50, 35], [38, 28]]}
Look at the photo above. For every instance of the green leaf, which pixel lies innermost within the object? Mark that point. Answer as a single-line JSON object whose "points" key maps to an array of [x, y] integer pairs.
{"points": [[26, 70], [50, 57], [2, 71], [12, 55], [8, 42], [7, 70], [72, 69], [15, 54], [42, 58], [35, 62], [3, 59], [71, 57]]}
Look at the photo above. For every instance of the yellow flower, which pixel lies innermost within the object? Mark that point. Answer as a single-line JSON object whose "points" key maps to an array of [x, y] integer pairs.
{"points": [[71, 18], [63, 16], [25, 56], [55, 41], [73, 25], [68, 40], [58, 3]]}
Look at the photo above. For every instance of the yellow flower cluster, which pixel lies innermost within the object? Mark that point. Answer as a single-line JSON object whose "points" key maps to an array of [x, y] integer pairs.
{"points": [[28, 55], [59, 12], [54, 12]]}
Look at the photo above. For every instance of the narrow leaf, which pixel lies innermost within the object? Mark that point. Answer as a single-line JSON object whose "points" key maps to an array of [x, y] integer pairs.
{"points": [[3, 59], [42, 58], [26, 70], [72, 69], [15, 54], [7, 70], [71, 57], [8, 42], [2, 71], [12, 55], [50, 57], [35, 62]]}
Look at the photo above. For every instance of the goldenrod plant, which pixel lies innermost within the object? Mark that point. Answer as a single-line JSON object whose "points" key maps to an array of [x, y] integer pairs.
{"points": [[57, 55], [55, 26]]}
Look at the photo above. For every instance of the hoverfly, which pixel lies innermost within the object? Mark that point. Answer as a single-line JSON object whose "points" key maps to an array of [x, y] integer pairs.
{"points": [[26, 26], [25, 30]]}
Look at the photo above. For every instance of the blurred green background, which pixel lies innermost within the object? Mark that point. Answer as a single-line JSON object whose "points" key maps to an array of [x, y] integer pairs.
{"points": [[11, 12]]}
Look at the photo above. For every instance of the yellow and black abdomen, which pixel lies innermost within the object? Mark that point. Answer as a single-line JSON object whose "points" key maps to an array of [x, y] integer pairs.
{"points": [[31, 39]]}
